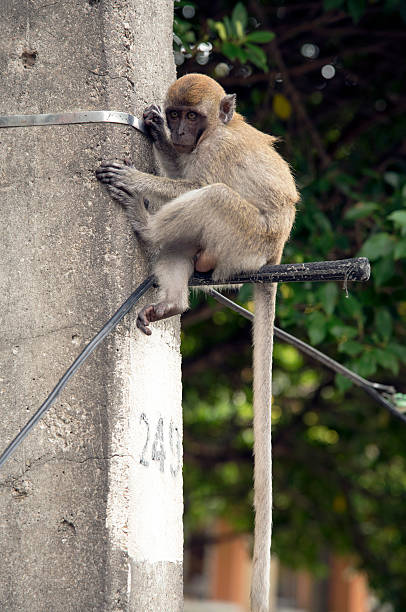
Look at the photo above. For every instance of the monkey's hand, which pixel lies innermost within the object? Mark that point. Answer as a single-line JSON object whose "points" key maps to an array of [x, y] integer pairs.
{"points": [[120, 178], [154, 120]]}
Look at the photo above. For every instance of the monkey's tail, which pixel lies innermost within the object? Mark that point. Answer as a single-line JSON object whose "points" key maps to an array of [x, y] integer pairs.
{"points": [[263, 345]]}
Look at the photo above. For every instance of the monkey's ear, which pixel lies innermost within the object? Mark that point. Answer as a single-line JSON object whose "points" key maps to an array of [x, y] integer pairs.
{"points": [[227, 107]]}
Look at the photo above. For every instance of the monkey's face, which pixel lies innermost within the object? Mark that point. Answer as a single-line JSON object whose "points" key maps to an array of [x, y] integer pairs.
{"points": [[186, 125]]}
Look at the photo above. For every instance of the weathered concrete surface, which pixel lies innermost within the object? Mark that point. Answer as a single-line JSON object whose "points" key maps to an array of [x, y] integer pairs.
{"points": [[90, 505]]}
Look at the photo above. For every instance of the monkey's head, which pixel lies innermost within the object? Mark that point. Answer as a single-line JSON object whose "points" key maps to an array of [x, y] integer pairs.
{"points": [[195, 105]]}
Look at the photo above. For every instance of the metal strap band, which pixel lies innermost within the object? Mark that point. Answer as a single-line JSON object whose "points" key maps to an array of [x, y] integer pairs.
{"points": [[69, 118]]}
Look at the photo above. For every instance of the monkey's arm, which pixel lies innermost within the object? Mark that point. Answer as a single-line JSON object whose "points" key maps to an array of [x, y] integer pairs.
{"points": [[168, 158], [134, 183]]}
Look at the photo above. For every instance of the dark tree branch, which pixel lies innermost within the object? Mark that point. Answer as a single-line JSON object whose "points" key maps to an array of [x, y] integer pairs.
{"points": [[310, 26], [301, 112], [356, 127], [304, 68]]}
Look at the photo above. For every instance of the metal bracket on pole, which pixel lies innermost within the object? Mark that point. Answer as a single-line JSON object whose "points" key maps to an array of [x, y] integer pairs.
{"points": [[7, 121]]}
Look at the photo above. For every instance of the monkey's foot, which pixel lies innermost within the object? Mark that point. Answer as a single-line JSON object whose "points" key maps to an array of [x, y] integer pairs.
{"points": [[155, 312]]}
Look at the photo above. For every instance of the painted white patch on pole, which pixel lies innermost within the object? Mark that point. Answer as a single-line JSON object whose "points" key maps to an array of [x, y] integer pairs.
{"points": [[155, 443], [145, 505]]}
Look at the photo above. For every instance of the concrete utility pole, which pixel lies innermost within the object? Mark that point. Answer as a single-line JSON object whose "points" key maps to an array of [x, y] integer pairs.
{"points": [[91, 503]]}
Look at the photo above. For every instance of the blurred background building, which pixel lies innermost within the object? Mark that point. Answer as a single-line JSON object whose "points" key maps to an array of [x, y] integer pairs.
{"points": [[217, 579]]}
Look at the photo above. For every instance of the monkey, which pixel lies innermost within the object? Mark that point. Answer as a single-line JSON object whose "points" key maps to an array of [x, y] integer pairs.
{"points": [[228, 206]]}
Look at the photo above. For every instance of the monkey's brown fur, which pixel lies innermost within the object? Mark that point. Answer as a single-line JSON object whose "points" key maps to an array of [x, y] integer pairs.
{"points": [[231, 199]]}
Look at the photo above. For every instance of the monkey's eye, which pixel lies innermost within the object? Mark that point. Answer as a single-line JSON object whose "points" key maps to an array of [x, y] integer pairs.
{"points": [[191, 115], [173, 114]]}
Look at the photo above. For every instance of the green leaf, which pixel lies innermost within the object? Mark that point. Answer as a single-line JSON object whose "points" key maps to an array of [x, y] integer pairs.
{"points": [[343, 332], [239, 30], [229, 27], [400, 250], [383, 323], [220, 29], [399, 219], [377, 245], [263, 36], [316, 327], [351, 347], [257, 56], [360, 210], [328, 294], [351, 307], [392, 178], [239, 15], [399, 350], [343, 383], [366, 364], [233, 52], [387, 360], [356, 8], [383, 270]]}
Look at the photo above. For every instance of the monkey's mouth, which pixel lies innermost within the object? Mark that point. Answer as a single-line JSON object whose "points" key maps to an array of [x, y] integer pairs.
{"points": [[188, 148]]}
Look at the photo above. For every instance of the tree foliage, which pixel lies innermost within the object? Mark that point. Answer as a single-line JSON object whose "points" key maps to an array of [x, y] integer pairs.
{"points": [[328, 79]]}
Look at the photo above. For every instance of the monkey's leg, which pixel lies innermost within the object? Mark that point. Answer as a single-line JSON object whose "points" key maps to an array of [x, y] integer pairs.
{"points": [[219, 222], [134, 182], [173, 271]]}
